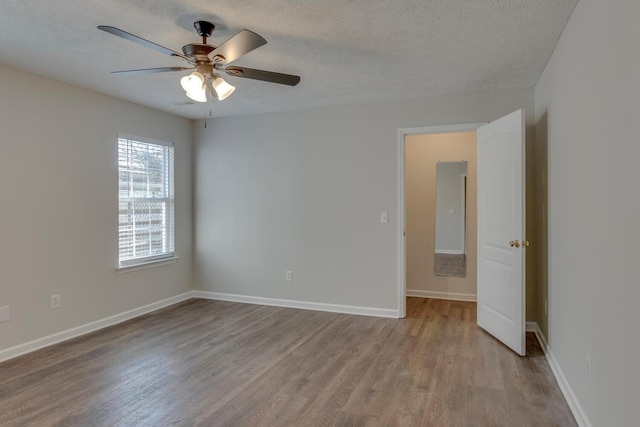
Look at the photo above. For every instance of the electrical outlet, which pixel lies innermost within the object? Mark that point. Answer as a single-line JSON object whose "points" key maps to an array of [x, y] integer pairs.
{"points": [[588, 366], [288, 276], [546, 309], [55, 301], [5, 314]]}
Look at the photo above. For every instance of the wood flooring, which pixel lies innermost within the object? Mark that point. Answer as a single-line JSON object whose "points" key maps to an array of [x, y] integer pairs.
{"points": [[214, 363]]}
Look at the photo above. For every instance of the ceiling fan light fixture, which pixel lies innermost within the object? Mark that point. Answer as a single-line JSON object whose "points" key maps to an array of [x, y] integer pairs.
{"points": [[194, 86], [222, 88], [198, 97], [207, 60]]}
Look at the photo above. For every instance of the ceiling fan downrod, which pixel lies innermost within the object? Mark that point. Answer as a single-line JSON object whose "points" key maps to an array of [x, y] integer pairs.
{"points": [[204, 29]]}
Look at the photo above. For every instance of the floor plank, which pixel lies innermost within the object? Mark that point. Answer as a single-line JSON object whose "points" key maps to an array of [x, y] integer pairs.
{"points": [[215, 363]]}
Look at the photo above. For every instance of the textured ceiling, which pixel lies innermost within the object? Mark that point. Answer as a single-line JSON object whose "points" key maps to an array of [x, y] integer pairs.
{"points": [[346, 51]]}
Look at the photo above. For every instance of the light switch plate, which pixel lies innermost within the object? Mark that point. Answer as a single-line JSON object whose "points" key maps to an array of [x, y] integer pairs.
{"points": [[384, 218], [5, 314]]}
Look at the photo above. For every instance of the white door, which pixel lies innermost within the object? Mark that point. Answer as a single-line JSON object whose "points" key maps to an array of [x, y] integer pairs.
{"points": [[501, 227]]}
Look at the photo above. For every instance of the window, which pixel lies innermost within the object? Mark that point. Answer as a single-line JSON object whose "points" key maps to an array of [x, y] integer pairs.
{"points": [[146, 212]]}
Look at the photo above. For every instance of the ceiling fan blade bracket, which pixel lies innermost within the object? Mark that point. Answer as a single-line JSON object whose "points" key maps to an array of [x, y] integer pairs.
{"points": [[189, 60], [234, 72]]}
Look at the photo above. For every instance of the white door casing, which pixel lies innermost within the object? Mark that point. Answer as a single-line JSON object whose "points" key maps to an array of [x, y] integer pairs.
{"points": [[401, 223], [501, 227]]}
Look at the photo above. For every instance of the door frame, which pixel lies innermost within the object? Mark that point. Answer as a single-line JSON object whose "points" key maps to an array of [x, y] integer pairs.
{"points": [[464, 202], [401, 208]]}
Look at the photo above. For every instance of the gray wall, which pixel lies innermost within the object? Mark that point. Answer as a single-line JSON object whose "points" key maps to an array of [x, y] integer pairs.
{"points": [[586, 114], [303, 191], [59, 209]]}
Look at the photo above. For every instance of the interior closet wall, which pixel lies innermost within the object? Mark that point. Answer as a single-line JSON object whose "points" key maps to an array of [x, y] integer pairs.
{"points": [[422, 153]]}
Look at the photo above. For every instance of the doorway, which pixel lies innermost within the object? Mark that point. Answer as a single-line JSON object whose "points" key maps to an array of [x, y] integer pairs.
{"points": [[501, 240], [440, 238], [443, 287]]}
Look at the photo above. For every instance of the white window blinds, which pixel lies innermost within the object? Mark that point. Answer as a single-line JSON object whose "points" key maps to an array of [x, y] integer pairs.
{"points": [[146, 202]]}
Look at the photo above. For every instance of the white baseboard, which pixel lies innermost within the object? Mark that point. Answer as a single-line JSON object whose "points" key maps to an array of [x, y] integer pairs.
{"points": [[450, 251], [565, 387], [441, 295], [304, 305], [59, 337], [567, 391]]}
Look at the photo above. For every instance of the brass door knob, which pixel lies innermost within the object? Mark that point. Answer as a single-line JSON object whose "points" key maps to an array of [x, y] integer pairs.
{"points": [[512, 243], [515, 243]]}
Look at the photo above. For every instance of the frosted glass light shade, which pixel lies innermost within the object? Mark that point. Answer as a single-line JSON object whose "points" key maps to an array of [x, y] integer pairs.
{"points": [[194, 86], [198, 97], [222, 88]]}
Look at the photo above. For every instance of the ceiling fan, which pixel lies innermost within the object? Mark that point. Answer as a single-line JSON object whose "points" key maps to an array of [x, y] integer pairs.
{"points": [[208, 62]]}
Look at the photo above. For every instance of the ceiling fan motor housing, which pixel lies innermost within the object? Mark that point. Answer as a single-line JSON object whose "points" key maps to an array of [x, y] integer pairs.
{"points": [[198, 52]]}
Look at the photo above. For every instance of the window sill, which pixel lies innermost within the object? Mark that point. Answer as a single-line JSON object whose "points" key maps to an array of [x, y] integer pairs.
{"points": [[148, 264]]}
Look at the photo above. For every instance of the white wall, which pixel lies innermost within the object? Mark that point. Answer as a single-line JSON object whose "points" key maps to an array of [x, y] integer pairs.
{"points": [[303, 191], [58, 213], [422, 153], [586, 110]]}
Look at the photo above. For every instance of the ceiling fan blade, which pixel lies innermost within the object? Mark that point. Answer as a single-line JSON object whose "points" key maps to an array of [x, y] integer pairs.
{"points": [[240, 44], [152, 70], [128, 36], [267, 76]]}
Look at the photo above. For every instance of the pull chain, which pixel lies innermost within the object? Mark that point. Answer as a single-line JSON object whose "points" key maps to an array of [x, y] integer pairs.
{"points": [[210, 102]]}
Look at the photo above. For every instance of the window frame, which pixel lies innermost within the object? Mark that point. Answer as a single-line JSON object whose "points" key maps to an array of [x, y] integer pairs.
{"points": [[158, 259]]}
